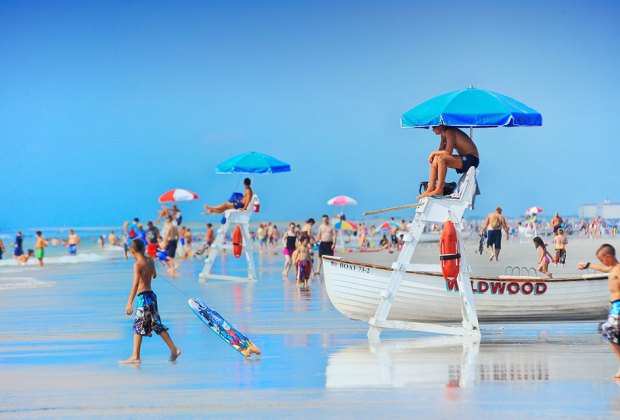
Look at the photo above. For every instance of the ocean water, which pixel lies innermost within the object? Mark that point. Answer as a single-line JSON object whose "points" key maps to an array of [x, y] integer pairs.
{"points": [[64, 330]]}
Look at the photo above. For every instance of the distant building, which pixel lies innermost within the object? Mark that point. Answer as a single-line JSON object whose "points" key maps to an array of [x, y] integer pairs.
{"points": [[605, 209]]}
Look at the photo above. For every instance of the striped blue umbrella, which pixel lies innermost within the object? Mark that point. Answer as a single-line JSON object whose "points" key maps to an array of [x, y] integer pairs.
{"points": [[252, 163]]}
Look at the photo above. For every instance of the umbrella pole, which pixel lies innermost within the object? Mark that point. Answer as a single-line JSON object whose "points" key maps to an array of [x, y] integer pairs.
{"points": [[471, 133]]}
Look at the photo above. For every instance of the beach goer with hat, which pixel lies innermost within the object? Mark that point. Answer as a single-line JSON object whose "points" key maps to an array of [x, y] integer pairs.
{"points": [[440, 160], [606, 254], [495, 222], [326, 237]]}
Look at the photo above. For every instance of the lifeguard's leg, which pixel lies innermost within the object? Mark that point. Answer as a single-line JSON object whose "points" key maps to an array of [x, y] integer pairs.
{"points": [[432, 179], [219, 209], [443, 163]]}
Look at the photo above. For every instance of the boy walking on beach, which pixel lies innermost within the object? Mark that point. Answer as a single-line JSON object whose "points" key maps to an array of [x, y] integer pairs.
{"points": [[611, 328], [147, 317]]}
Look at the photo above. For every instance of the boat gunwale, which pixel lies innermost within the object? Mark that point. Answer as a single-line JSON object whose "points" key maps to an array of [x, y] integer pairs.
{"points": [[585, 277]]}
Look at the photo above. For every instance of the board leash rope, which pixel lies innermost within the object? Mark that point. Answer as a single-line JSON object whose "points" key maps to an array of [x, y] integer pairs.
{"points": [[174, 285]]}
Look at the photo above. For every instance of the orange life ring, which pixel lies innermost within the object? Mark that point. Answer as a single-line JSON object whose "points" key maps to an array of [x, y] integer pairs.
{"points": [[237, 240], [449, 252]]}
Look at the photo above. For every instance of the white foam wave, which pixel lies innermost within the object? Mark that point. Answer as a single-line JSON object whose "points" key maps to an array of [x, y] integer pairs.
{"points": [[64, 259], [9, 283]]}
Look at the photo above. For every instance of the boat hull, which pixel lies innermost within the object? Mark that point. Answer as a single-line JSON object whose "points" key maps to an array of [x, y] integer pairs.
{"points": [[354, 289]]}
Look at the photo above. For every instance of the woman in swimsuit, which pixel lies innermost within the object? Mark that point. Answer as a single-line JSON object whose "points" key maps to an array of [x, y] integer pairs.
{"points": [[289, 240], [544, 257]]}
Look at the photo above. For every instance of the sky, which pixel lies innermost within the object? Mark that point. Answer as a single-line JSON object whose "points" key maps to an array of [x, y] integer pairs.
{"points": [[106, 105]]}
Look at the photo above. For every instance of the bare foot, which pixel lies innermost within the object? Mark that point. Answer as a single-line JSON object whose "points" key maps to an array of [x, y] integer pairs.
{"points": [[434, 192], [130, 361], [617, 375], [175, 354]]}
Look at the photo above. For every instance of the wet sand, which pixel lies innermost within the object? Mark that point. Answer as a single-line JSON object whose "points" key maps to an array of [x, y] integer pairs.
{"points": [[60, 346]]}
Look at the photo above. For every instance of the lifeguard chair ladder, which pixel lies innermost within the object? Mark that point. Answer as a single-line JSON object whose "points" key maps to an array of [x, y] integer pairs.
{"points": [[438, 210], [232, 217]]}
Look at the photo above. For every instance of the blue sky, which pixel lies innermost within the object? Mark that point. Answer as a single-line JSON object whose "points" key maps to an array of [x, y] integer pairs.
{"points": [[105, 105]]}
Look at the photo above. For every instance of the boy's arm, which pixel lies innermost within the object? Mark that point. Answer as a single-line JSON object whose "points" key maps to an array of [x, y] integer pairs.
{"points": [[598, 267], [134, 290], [153, 267]]}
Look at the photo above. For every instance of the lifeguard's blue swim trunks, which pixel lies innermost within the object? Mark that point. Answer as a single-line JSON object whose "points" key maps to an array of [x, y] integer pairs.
{"points": [[611, 328], [147, 317]]}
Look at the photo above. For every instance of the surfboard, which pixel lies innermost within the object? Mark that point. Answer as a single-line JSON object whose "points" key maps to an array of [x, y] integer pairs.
{"points": [[222, 328]]}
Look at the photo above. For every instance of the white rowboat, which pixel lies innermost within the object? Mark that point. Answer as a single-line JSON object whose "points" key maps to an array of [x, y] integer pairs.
{"points": [[425, 296]]}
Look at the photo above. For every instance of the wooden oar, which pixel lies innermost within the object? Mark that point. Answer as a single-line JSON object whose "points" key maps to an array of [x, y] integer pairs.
{"points": [[406, 206]]}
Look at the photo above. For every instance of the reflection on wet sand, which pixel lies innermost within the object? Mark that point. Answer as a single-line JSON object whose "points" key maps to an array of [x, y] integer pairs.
{"points": [[457, 363]]}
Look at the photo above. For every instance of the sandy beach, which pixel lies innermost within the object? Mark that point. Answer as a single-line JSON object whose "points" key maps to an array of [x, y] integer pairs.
{"points": [[65, 331]]}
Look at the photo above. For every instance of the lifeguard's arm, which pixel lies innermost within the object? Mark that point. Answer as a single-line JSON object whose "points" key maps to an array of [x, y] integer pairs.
{"points": [[335, 237], [249, 199], [598, 267], [450, 143], [134, 290], [440, 150]]}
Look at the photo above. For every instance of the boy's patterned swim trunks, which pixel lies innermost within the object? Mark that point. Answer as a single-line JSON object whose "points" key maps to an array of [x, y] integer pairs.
{"points": [[147, 317], [611, 328]]}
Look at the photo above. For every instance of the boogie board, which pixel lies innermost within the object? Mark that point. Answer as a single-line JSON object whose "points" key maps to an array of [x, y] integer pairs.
{"points": [[222, 328]]}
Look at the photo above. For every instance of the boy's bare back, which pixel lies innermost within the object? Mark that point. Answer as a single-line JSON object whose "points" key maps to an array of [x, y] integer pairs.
{"points": [[144, 271], [613, 281]]}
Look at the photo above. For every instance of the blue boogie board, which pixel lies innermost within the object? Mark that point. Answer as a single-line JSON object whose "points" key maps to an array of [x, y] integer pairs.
{"points": [[222, 328]]}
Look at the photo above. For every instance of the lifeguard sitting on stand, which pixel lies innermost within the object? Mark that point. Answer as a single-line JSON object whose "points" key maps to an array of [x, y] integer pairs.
{"points": [[234, 204], [442, 159]]}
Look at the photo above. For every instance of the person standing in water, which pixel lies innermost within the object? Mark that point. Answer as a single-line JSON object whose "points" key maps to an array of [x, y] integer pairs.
{"points": [[326, 237], [289, 240], [147, 317], [606, 254], [73, 242], [18, 245], [39, 248]]}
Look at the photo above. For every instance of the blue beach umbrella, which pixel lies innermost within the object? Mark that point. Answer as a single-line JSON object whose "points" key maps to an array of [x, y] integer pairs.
{"points": [[252, 163], [473, 108]]}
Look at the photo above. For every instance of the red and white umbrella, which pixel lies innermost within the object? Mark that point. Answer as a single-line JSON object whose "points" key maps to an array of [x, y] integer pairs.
{"points": [[533, 210], [342, 200], [178, 194]]}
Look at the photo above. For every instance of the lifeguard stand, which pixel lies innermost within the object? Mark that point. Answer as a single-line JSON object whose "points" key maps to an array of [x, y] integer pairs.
{"points": [[438, 210], [232, 217]]}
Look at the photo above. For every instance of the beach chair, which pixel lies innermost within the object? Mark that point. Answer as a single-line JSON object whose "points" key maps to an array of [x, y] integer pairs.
{"points": [[231, 218], [437, 209]]}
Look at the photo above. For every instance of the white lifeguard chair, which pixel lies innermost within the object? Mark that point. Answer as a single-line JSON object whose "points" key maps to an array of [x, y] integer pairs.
{"points": [[437, 210], [232, 217]]}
